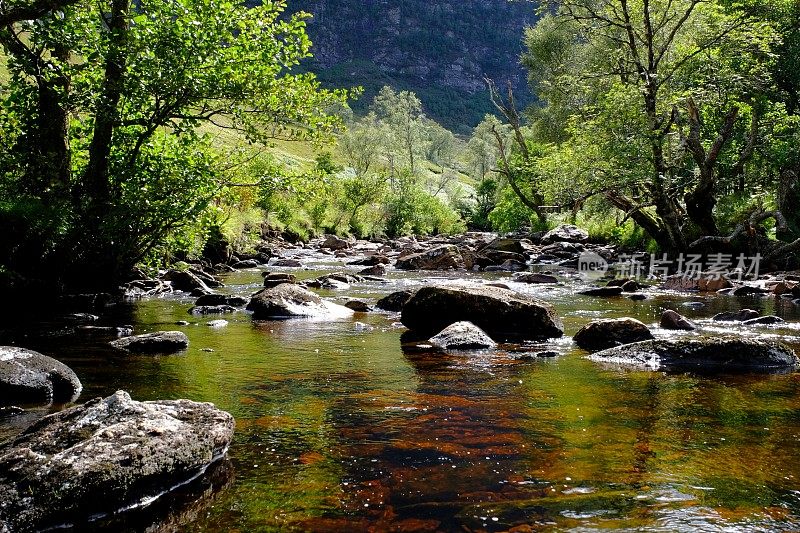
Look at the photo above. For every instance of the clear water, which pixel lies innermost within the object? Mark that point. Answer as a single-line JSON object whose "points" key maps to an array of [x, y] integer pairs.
{"points": [[339, 430]]}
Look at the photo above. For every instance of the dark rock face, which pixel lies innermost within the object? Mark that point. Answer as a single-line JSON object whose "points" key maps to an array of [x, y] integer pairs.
{"points": [[566, 233], [30, 377], [505, 245], [108, 454], [602, 291], [157, 342], [501, 313], [603, 334], [394, 301], [673, 320], [535, 278], [440, 258], [738, 316], [462, 336], [724, 354], [292, 301]]}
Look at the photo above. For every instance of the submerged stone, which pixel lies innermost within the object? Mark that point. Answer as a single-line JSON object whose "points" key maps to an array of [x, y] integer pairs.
{"points": [[722, 354], [156, 342]]}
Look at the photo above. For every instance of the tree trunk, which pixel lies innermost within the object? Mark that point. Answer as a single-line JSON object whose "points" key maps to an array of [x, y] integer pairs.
{"points": [[96, 179]]}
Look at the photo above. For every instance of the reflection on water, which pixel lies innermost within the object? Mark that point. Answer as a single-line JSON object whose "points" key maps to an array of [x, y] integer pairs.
{"points": [[339, 430]]}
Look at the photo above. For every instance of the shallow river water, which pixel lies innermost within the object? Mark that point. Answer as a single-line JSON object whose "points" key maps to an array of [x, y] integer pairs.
{"points": [[339, 430]]}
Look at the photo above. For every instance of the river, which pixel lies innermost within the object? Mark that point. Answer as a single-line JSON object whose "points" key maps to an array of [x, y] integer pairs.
{"points": [[339, 430]]}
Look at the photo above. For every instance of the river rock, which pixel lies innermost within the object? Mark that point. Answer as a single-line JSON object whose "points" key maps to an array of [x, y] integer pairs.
{"points": [[764, 321], [292, 301], [332, 242], [602, 291], [722, 354], [30, 377], [377, 270], [501, 313], [748, 290], [105, 456], [183, 280], [394, 301], [736, 316], [156, 342], [444, 257], [246, 263], [535, 277], [211, 309], [566, 233], [291, 263], [371, 260], [673, 320], [220, 299], [358, 306], [273, 279], [704, 283], [462, 336], [509, 265], [607, 333]]}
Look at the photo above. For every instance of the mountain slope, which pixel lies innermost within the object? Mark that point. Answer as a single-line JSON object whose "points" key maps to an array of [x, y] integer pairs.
{"points": [[439, 49]]}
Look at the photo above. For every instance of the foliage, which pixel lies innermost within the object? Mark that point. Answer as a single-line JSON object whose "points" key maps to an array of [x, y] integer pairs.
{"points": [[101, 118]]}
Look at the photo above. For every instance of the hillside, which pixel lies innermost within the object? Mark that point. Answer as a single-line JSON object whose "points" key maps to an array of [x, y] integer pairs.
{"points": [[441, 50]]}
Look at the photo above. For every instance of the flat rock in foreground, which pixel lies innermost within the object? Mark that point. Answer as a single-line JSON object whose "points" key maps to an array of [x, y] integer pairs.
{"points": [[104, 456], [30, 377], [723, 355], [501, 313]]}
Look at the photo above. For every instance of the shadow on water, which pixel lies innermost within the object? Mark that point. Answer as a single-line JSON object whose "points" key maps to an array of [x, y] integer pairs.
{"points": [[339, 430]]}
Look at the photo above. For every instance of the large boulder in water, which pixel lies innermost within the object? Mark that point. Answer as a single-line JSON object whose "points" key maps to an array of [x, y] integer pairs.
{"points": [[722, 354], [462, 336], [183, 280], [444, 257], [503, 314], [106, 456], [156, 342], [607, 333], [292, 301], [30, 377]]}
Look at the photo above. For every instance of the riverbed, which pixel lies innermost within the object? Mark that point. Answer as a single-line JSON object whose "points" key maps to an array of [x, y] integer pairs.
{"points": [[339, 429]]}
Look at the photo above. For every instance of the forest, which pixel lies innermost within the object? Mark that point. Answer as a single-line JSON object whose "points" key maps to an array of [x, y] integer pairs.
{"points": [[677, 130]]}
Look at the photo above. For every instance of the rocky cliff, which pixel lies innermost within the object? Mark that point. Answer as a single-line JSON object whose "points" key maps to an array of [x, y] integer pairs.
{"points": [[440, 49]]}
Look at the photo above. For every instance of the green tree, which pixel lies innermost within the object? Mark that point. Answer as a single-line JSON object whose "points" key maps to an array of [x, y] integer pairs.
{"points": [[107, 106], [666, 105]]}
